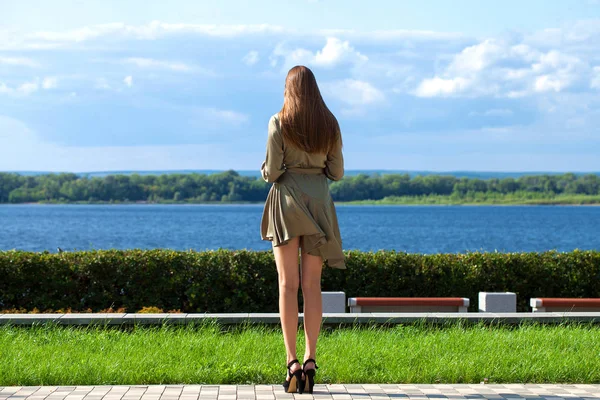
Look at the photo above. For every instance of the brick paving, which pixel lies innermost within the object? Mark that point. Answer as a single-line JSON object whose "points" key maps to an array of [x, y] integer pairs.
{"points": [[321, 391]]}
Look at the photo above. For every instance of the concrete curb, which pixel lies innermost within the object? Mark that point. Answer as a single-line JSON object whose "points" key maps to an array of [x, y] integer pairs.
{"points": [[273, 318]]}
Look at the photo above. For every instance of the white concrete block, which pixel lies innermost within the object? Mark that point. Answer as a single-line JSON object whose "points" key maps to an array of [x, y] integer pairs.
{"points": [[334, 302], [497, 302], [536, 305]]}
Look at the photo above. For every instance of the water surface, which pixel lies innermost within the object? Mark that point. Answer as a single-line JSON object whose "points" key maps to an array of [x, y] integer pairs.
{"points": [[420, 229]]}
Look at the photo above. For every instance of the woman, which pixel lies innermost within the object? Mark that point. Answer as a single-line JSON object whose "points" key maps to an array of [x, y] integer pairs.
{"points": [[304, 148]]}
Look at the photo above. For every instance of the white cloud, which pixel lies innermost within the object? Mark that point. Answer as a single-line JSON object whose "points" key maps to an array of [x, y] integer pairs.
{"points": [[337, 51], [572, 33], [463, 75], [5, 89], [251, 58], [476, 58], [19, 61], [102, 83], [515, 74], [557, 71], [494, 112], [43, 40], [272, 60], [50, 82], [211, 114], [524, 52], [158, 64], [547, 83], [393, 35], [595, 83], [552, 60], [334, 53], [497, 68], [442, 87], [293, 57], [152, 30], [128, 80], [27, 88], [81, 34], [515, 94], [354, 92], [157, 29]]}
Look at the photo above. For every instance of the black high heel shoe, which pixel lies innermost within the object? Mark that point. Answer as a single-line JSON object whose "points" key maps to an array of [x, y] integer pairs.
{"points": [[309, 374], [295, 378]]}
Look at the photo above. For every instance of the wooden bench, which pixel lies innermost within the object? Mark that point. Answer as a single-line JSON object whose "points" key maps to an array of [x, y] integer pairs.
{"points": [[408, 304], [548, 304]]}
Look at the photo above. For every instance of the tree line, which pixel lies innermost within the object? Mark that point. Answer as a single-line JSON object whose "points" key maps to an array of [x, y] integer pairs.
{"points": [[230, 186]]}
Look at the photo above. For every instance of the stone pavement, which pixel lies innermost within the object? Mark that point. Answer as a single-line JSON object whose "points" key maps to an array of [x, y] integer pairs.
{"points": [[321, 391]]}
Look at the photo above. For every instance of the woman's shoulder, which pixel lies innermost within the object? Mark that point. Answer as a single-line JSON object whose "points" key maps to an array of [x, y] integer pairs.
{"points": [[274, 123], [274, 127]]}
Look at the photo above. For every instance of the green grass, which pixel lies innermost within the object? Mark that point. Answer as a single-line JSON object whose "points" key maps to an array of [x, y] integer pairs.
{"points": [[484, 199], [479, 198], [254, 354]]}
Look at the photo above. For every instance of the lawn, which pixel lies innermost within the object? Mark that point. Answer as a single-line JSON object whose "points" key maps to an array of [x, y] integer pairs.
{"points": [[210, 353]]}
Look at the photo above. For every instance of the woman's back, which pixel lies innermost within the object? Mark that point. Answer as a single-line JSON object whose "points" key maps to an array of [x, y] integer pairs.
{"points": [[304, 149], [282, 155]]}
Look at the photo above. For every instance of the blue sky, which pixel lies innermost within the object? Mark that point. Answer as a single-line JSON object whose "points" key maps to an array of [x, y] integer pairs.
{"points": [[416, 85]]}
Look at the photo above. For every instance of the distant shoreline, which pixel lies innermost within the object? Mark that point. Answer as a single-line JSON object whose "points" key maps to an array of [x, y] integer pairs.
{"points": [[232, 188], [340, 203], [348, 172]]}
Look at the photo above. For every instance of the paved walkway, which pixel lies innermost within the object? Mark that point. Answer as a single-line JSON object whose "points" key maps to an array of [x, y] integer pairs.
{"points": [[321, 391]]}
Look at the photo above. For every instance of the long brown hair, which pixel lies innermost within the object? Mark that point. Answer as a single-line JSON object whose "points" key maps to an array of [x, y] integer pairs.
{"points": [[305, 120]]}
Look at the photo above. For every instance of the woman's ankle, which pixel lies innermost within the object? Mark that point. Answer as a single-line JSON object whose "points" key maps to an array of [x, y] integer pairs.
{"points": [[307, 358]]}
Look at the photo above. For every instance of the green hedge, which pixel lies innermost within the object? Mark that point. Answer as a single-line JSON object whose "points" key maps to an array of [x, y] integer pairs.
{"points": [[246, 281]]}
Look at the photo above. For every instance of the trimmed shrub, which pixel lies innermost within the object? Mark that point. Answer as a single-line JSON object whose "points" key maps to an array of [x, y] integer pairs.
{"points": [[246, 281]]}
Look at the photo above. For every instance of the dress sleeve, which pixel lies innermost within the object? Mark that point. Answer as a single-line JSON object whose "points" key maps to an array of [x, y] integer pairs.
{"points": [[334, 166], [273, 167]]}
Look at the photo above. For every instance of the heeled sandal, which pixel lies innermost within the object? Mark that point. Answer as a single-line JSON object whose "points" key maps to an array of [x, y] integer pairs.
{"points": [[295, 378], [309, 374]]}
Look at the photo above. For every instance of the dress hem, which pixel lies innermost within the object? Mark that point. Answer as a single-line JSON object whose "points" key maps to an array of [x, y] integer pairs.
{"points": [[338, 265]]}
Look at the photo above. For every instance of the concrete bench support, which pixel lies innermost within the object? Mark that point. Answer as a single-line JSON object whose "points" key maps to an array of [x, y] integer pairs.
{"points": [[334, 302], [408, 304], [549, 304], [497, 302]]}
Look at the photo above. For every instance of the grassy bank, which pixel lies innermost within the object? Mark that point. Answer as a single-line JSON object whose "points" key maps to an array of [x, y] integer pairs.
{"points": [[484, 199], [211, 354]]}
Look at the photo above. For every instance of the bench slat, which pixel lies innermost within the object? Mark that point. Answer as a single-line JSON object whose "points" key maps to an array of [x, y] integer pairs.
{"points": [[408, 301], [566, 302]]}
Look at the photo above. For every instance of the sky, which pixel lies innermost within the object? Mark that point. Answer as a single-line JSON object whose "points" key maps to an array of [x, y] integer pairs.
{"points": [[416, 85]]}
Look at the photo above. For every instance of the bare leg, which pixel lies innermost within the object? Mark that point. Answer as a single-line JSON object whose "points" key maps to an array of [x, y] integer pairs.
{"points": [[286, 259], [313, 303]]}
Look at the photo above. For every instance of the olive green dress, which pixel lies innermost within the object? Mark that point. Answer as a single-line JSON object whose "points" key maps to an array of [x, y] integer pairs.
{"points": [[299, 202]]}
